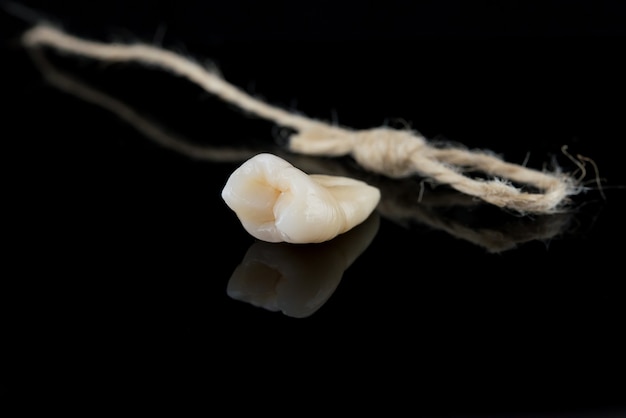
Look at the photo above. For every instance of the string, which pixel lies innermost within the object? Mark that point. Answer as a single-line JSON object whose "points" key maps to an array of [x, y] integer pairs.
{"points": [[390, 152]]}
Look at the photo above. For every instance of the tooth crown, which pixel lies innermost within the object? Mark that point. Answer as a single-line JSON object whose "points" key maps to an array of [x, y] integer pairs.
{"points": [[277, 202]]}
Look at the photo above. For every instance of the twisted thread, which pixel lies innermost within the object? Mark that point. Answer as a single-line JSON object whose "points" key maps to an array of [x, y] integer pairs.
{"points": [[390, 152]]}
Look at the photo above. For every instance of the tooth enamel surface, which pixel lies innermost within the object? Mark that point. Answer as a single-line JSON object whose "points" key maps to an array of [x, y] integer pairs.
{"points": [[277, 202]]}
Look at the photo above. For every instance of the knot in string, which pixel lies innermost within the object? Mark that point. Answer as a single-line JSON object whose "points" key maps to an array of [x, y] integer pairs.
{"points": [[387, 151], [382, 150]]}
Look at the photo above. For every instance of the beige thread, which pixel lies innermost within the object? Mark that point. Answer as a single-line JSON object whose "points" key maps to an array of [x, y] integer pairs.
{"points": [[391, 152]]}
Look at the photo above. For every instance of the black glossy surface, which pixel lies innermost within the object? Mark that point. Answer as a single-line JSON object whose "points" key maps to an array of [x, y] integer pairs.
{"points": [[126, 252]]}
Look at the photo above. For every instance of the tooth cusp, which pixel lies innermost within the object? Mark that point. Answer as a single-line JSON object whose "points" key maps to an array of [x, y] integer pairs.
{"points": [[276, 202]]}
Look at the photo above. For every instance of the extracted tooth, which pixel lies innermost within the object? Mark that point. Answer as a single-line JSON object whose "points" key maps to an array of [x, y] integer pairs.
{"points": [[277, 202]]}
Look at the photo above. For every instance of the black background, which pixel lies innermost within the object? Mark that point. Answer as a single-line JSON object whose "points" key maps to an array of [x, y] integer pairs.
{"points": [[122, 250]]}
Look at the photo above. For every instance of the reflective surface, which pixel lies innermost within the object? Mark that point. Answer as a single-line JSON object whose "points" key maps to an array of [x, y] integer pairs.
{"points": [[298, 279], [126, 250]]}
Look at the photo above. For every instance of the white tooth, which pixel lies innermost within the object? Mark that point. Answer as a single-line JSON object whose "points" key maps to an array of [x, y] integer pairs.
{"points": [[277, 202]]}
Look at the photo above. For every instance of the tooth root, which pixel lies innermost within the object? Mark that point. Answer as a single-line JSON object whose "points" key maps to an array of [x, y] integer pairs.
{"points": [[276, 202]]}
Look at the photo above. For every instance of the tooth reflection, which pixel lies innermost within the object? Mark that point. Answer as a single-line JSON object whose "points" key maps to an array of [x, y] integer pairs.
{"points": [[297, 279]]}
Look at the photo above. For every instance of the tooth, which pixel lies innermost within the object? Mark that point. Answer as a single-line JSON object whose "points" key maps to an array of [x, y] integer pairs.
{"points": [[277, 202]]}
